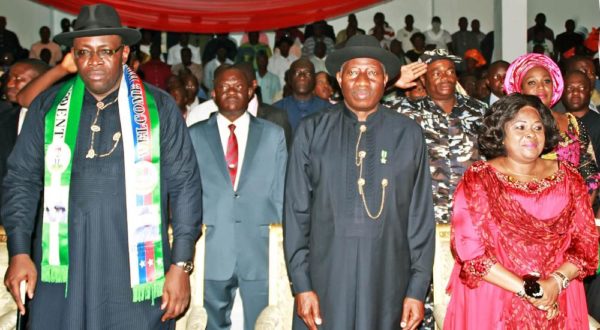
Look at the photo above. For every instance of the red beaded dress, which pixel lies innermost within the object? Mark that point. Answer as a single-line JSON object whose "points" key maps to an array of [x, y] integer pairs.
{"points": [[526, 227]]}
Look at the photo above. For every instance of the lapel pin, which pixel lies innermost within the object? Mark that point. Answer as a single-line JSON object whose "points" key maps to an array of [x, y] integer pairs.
{"points": [[383, 157]]}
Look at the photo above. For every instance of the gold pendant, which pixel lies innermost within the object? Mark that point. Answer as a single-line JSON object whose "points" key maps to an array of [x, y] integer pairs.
{"points": [[91, 154], [95, 128]]}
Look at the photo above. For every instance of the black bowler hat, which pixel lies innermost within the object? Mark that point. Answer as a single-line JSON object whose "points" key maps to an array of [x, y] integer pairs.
{"points": [[363, 46], [98, 20]]}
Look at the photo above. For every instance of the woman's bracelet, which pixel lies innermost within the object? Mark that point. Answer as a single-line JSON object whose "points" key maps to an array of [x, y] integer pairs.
{"points": [[558, 281], [561, 278], [521, 293]]}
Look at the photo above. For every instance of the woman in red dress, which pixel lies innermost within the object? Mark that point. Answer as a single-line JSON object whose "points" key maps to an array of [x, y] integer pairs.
{"points": [[523, 232]]}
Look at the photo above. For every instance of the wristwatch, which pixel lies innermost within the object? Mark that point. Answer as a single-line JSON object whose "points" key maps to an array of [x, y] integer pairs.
{"points": [[187, 266]]}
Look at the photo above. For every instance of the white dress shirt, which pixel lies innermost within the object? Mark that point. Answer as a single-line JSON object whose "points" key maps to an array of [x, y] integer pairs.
{"points": [[493, 99], [242, 125], [203, 111], [22, 115]]}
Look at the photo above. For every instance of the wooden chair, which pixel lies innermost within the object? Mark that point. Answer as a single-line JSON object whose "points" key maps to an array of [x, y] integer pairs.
{"points": [[278, 315]]}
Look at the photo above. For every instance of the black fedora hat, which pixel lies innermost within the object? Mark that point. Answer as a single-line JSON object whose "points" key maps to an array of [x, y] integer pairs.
{"points": [[363, 46], [98, 20]]}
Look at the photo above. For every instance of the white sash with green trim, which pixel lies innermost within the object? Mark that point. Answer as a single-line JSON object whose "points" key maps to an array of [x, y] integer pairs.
{"points": [[141, 146]]}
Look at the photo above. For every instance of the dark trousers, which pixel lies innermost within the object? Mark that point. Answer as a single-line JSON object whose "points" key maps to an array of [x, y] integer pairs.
{"points": [[219, 297]]}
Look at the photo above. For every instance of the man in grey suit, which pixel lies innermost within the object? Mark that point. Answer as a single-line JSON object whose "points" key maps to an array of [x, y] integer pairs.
{"points": [[242, 162]]}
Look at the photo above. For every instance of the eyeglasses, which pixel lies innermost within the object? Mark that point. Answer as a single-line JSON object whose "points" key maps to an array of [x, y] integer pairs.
{"points": [[103, 54]]}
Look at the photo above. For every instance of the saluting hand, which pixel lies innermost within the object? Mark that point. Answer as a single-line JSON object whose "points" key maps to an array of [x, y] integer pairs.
{"points": [[20, 268], [176, 293], [307, 305], [413, 312], [409, 73]]}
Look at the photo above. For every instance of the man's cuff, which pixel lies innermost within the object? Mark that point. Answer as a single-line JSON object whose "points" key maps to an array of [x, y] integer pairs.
{"points": [[418, 287], [301, 283], [183, 250], [19, 243]]}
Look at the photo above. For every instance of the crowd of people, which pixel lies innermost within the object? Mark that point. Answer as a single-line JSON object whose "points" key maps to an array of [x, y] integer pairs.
{"points": [[360, 142]]}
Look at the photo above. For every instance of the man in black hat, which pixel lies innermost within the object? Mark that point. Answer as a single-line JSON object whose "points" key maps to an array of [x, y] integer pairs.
{"points": [[107, 152], [358, 215]]}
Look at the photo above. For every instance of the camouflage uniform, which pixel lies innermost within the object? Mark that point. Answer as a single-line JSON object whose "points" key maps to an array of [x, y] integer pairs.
{"points": [[452, 141], [452, 146]]}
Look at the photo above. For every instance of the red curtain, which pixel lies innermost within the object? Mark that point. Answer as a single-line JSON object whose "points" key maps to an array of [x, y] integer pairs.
{"points": [[206, 16]]}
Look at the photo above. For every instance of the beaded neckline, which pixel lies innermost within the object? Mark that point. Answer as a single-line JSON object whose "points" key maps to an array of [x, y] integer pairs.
{"points": [[534, 186]]}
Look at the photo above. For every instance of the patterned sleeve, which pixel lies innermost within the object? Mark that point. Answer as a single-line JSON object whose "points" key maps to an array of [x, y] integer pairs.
{"points": [[467, 245], [583, 251], [587, 160]]}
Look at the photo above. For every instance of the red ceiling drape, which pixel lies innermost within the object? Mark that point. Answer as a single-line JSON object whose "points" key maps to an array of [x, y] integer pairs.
{"points": [[206, 16]]}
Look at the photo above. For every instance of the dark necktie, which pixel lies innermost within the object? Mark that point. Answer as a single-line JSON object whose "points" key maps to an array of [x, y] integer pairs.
{"points": [[232, 154]]}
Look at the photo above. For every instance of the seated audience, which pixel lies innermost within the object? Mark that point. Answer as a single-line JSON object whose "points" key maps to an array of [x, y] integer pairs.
{"points": [[404, 34], [247, 51], [463, 39], [222, 40], [270, 87], [212, 65], [309, 44], [302, 102], [155, 71], [174, 54], [418, 43], [436, 37], [46, 43], [342, 36], [379, 20], [187, 65]]}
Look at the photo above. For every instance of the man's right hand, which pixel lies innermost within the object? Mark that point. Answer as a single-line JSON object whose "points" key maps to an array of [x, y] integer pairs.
{"points": [[20, 268], [308, 309], [409, 73]]}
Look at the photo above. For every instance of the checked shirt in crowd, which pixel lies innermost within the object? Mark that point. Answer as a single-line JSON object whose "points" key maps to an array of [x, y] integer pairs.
{"points": [[451, 140]]}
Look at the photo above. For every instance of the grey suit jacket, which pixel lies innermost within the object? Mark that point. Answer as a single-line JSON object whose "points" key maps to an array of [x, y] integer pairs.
{"points": [[238, 221]]}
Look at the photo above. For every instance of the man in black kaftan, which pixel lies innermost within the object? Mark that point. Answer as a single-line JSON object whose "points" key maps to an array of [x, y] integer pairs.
{"points": [[98, 292], [358, 222]]}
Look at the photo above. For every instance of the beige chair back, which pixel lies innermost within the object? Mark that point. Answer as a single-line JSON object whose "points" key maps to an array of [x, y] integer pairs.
{"points": [[8, 307], [442, 269], [195, 317], [278, 315]]}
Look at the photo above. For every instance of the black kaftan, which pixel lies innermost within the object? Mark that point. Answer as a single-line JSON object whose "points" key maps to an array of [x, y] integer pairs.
{"points": [[98, 293], [360, 268]]}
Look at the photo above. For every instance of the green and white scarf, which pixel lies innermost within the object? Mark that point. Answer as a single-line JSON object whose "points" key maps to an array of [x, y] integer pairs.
{"points": [[141, 146]]}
